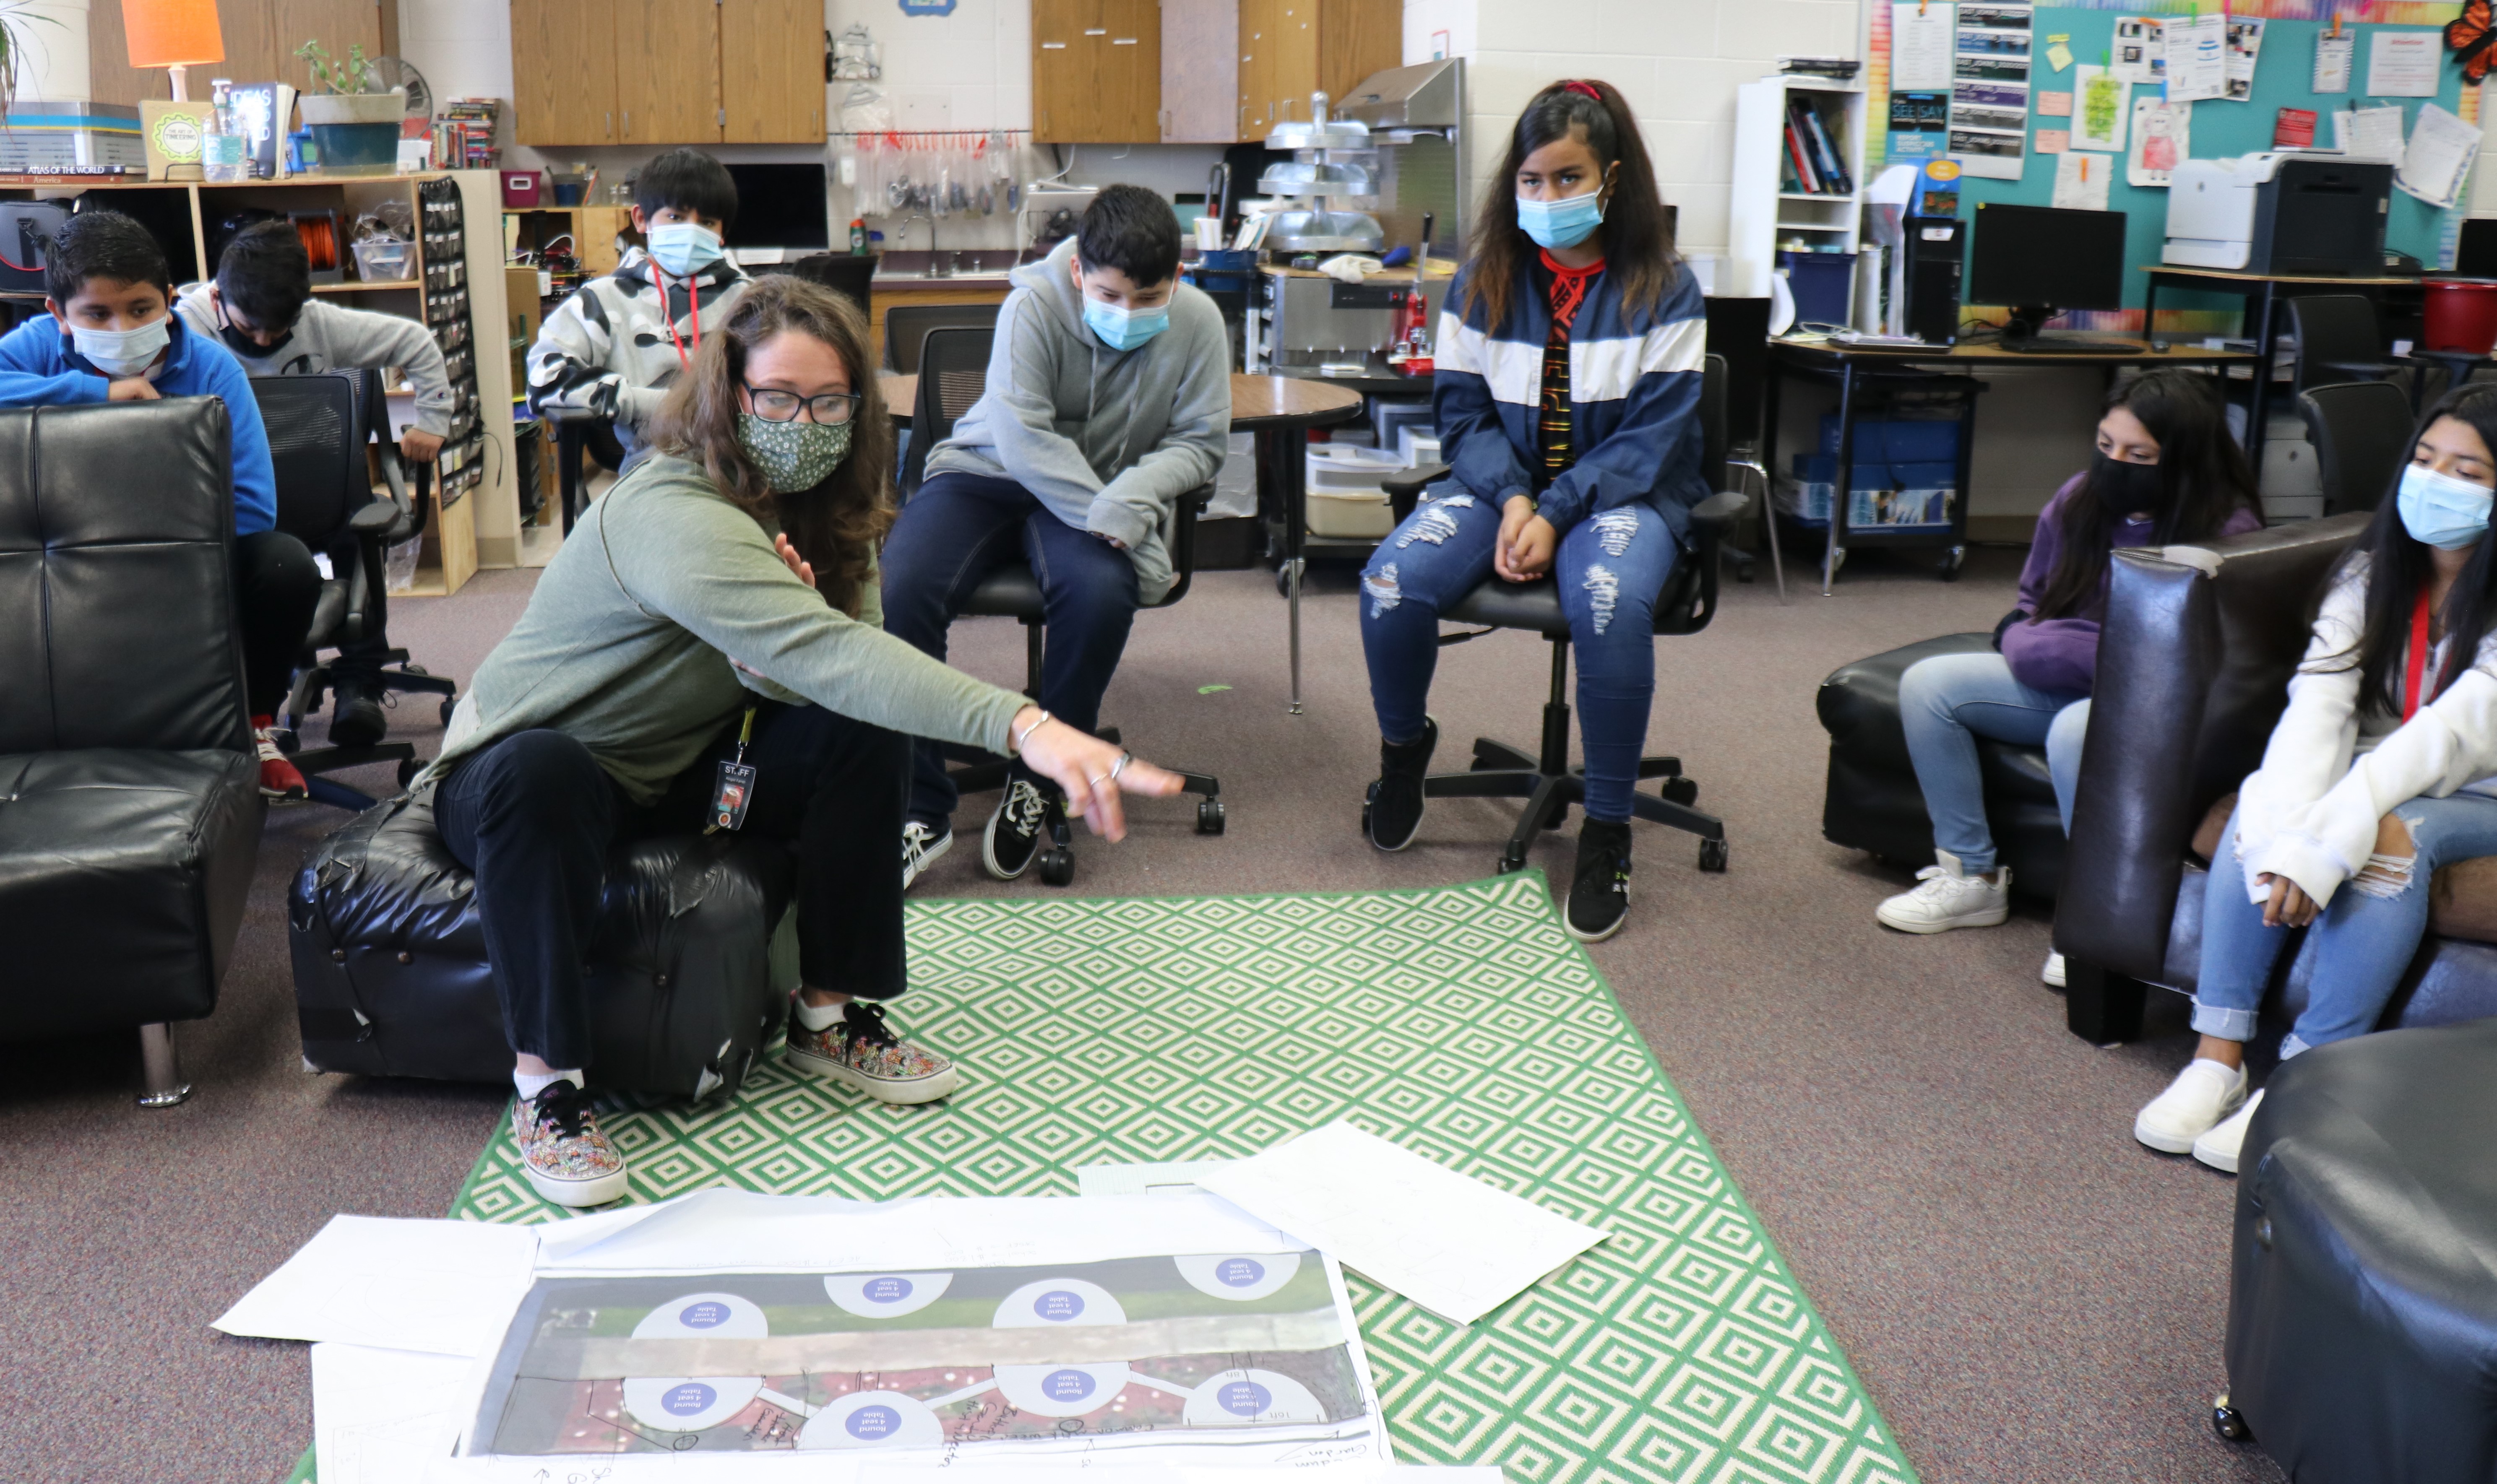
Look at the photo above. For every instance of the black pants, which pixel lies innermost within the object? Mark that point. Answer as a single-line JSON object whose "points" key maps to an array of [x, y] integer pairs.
{"points": [[277, 588], [534, 816]]}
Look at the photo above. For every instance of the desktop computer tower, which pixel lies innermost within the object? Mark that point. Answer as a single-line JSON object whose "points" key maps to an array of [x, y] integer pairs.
{"points": [[1937, 246]]}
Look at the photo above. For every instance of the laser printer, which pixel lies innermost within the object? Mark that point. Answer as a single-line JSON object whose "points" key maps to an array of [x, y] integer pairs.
{"points": [[2281, 211]]}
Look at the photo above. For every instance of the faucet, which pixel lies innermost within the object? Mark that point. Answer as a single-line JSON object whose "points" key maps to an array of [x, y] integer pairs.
{"points": [[930, 271]]}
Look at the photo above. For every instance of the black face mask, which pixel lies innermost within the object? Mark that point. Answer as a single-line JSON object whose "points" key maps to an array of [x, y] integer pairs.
{"points": [[244, 345], [2127, 489]]}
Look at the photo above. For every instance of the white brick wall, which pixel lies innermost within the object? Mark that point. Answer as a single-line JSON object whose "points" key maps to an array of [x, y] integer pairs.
{"points": [[1678, 62]]}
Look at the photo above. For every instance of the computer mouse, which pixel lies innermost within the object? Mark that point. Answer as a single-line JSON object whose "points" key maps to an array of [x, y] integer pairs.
{"points": [[2158, 347]]}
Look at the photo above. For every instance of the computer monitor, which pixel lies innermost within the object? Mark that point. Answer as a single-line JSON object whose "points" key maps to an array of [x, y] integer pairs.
{"points": [[2041, 260], [780, 205]]}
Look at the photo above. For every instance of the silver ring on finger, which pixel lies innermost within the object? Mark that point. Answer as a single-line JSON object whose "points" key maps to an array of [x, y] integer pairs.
{"points": [[1120, 766], [1096, 782]]}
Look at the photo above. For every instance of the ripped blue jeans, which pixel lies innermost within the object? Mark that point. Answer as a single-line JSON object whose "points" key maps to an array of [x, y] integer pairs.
{"points": [[2366, 938], [1611, 568]]}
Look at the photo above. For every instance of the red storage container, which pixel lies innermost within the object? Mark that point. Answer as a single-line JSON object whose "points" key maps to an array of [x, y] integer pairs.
{"points": [[521, 187], [2462, 314]]}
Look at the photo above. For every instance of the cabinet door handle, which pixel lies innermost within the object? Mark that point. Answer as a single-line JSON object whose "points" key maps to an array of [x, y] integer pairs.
{"points": [[611, 123], [628, 123]]}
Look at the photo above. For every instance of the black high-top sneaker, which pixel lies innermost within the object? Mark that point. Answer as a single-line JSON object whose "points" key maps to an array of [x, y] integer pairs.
{"points": [[1395, 806], [1600, 898]]}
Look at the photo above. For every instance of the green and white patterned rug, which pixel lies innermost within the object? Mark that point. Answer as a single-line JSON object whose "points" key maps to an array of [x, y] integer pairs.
{"points": [[1461, 1023]]}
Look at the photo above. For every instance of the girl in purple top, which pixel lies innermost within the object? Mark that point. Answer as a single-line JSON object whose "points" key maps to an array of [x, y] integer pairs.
{"points": [[2166, 471]]}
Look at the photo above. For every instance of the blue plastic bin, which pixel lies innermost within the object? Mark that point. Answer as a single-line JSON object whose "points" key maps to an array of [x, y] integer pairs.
{"points": [[1821, 283]]}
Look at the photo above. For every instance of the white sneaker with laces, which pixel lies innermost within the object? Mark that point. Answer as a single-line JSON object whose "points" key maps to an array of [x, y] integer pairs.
{"points": [[2219, 1148], [1946, 898], [2202, 1094], [2053, 972], [920, 849]]}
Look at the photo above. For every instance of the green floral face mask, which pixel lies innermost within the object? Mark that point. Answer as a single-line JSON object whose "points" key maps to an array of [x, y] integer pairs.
{"points": [[793, 455]]}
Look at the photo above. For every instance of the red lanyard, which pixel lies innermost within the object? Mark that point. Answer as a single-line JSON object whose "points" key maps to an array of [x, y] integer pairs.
{"points": [[2411, 691], [693, 306]]}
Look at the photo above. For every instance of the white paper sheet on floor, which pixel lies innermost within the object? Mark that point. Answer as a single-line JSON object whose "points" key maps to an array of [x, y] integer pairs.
{"points": [[444, 1288], [1448, 1242]]}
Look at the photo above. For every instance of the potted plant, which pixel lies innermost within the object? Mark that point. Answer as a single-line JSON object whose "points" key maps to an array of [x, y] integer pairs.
{"points": [[353, 120]]}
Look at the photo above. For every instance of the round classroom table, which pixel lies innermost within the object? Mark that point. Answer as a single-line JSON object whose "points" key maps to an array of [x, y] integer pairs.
{"points": [[1279, 410]]}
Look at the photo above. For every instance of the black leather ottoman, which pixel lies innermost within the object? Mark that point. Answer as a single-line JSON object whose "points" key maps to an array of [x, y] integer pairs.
{"points": [[1873, 803], [2362, 1312], [389, 959]]}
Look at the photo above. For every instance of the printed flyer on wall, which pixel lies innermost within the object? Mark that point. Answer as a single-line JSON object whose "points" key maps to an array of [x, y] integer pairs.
{"points": [[1989, 107]]}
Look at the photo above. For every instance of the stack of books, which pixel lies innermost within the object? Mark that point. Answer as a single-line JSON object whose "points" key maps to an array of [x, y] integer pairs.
{"points": [[1812, 163], [463, 137]]}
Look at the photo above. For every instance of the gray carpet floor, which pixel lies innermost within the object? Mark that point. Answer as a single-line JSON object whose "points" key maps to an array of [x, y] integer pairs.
{"points": [[2028, 1293]]}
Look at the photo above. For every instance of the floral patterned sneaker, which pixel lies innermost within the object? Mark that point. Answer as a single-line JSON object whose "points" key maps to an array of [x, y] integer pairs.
{"points": [[567, 1160], [858, 1051]]}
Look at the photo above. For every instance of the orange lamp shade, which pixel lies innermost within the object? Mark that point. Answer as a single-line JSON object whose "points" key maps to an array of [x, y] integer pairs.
{"points": [[173, 33]]}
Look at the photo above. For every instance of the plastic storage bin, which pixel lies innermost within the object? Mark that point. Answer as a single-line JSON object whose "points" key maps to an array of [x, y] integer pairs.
{"points": [[383, 260], [2462, 314], [1821, 283], [1345, 499]]}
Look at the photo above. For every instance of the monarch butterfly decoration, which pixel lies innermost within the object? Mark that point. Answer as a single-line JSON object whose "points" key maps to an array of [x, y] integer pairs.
{"points": [[2469, 36]]}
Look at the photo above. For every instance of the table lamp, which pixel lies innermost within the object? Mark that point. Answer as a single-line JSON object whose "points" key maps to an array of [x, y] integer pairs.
{"points": [[172, 34]]}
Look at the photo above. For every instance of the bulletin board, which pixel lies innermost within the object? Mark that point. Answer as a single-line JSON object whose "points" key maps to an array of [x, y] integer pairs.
{"points": [[2283, 78]]}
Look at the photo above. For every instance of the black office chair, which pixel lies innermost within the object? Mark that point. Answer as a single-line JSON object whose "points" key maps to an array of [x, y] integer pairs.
{"points": [[844, 273], [952, 374], [1545, 780], [2362, 432], [319, 429], [2337, 341], [953, 371], [905, 325]]}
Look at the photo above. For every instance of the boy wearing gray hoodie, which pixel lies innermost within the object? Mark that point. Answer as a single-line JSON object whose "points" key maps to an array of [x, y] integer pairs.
{"points": [[1108, 399]]}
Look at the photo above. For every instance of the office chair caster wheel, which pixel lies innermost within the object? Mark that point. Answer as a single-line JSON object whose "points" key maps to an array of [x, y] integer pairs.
{"points": [[2228, 1422], [1951, 564], [1209, 817], [1680, 790], [1712, 855], [1284, 580], [1058, 865], [1511, 863], [408, 767], [1746, 569], [447, 707], [414, 670], [287, 742]]}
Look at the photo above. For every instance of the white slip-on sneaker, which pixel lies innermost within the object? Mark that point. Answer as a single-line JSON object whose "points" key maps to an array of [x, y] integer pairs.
{"points": [[1945, 898], [2219, 1148], [920, 849], [2194, 1104], [2053, 972]]}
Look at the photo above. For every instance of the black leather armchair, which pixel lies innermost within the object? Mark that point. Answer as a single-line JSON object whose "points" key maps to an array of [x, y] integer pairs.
{"points": [[130, 807]]}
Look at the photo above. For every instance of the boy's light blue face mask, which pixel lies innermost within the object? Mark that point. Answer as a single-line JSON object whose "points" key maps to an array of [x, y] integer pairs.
{"points": [[2441, 510], [1564, 223], [682, 249], [1124, 329]]}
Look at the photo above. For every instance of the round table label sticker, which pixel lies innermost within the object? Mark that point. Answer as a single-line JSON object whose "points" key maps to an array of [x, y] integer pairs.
{"points": [[1245, 1398], [686, 1401], [706, 1315], [1239, 1272], [873, 1424], [1066, 1386], [1058, 1306], [887, 1291]]}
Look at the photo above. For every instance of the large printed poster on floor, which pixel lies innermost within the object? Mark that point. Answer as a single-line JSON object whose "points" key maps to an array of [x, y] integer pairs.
{"points": [[1246, 1357]]}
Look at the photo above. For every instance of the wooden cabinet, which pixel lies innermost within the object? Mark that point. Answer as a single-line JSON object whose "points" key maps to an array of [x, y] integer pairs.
{"points": [[565, 93], [1097, 69], [772, 89], [260, 36], [1291, 48], [656, 73]]}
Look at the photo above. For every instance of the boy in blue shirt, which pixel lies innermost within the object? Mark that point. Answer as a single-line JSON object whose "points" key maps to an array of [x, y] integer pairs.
{"points": [[111, 336]]}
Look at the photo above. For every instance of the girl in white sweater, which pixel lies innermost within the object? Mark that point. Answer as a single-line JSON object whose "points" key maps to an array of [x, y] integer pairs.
{"points": [[2383, 769]]}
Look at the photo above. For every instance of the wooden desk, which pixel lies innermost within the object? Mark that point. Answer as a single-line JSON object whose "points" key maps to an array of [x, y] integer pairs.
{"points": [[1847, 364], [2263, 295], [1279, 410]]}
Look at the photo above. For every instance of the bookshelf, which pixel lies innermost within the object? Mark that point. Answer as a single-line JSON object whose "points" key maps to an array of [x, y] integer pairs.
{"points": [[1775, 197]]}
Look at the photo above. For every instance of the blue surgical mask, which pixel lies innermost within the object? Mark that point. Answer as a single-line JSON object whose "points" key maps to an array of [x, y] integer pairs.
{"points": [[123, 352], [682, 249], [2442, 511], [1124, 329], [1563, 223]]}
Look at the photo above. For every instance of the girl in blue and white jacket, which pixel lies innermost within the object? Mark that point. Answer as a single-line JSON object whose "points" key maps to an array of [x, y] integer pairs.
{"points": [[1567, 404]]}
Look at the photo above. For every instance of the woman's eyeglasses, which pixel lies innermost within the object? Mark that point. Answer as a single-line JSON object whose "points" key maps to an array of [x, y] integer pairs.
{"points": [[782, 406]]}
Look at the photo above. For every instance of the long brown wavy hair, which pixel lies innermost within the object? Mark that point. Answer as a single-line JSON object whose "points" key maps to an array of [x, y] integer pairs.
{"points": [[837, 525], [1638, 245]]}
